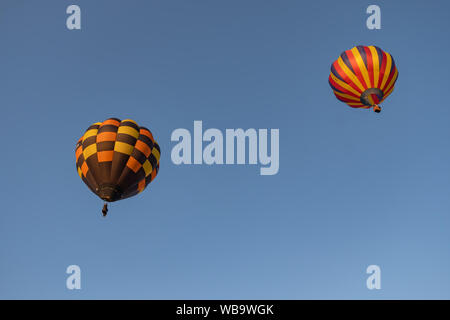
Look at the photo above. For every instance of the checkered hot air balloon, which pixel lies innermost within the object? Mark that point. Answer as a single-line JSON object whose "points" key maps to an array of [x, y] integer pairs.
{"points": [[363, 77], [117, 159]]}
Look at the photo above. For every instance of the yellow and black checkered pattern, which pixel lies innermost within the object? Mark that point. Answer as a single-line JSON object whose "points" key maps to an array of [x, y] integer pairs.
{"points": [[117, 159]]}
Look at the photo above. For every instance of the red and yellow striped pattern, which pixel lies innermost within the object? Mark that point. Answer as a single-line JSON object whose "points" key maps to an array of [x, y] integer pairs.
{"points": [[117, 159], [363, 76]]}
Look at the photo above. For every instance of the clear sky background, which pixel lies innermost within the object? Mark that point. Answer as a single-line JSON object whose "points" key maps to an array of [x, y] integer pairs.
{"points": [[354, 188]]}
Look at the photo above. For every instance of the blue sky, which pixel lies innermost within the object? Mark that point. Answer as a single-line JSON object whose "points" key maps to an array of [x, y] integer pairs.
{"points": [[354, 188]]}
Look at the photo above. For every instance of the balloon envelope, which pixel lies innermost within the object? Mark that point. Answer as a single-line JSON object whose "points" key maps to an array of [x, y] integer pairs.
{"points": [[117, 158], [363, 76]]}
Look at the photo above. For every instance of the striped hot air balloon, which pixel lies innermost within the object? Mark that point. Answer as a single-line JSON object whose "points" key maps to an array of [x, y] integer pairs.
{"points": [[117, 159], [363, 77]]}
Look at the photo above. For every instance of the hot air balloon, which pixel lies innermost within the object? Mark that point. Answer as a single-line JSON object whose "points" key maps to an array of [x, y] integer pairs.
{"points": [[117, 159], [363, 77]]}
